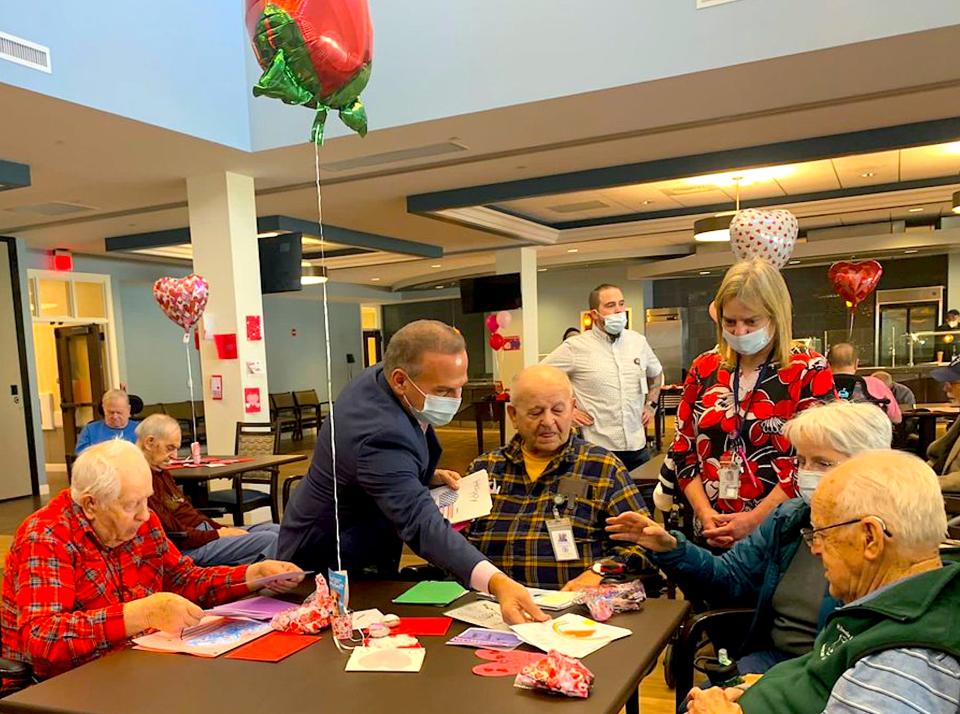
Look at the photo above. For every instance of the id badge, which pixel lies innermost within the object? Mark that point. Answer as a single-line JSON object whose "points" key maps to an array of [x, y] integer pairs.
{"points": [[561, 538], [729, 476]]}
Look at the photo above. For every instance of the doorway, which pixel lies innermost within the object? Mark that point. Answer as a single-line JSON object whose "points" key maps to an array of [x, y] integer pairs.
{"points": [[20, 474]]}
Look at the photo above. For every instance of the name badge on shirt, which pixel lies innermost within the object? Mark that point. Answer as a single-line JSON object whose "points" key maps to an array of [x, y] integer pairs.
{"points": [[561, 538], [729, 476]]}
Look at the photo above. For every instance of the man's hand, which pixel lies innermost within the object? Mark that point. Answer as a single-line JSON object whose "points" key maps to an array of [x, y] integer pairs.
{"points": [[227, 532], [581, 418], [714, 701], [266, 568], [167, 612], [516, 604], [647, 416], [640, 529], [586, 579], [728, 528], [446, 477]]}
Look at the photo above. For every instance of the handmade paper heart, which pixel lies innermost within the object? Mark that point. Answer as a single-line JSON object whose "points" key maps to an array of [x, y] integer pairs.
{"points": [[854, 281], [770, 235], [182, 299], [504, 664]]}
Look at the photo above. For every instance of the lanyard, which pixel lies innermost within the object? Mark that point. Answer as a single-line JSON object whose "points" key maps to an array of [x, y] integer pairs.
{"points": [[742, 418]]}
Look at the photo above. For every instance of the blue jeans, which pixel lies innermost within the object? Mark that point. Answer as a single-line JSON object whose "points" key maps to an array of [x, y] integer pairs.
{"points": [[259, 544]]}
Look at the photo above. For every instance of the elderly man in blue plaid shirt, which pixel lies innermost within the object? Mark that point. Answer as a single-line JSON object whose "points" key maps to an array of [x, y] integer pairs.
{"points": [[553, 492]]}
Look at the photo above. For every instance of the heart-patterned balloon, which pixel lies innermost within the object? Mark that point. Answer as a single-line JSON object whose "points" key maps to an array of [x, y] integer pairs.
{"points": [[182, 299], [770, 235], [853, 281]]}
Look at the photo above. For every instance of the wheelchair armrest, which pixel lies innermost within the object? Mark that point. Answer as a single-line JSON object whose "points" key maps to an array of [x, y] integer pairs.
{"points": [[418, 573], [14, 671], [691, 633], [213, 511]]}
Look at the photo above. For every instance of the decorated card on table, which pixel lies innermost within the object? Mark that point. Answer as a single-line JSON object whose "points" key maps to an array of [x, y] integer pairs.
{"points": [[470, 501], [572, 635], [486, 639], [369, 659], [211, 638]]}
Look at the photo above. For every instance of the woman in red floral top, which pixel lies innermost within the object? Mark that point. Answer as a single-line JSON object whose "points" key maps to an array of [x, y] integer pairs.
{"points": [[729, 456]]}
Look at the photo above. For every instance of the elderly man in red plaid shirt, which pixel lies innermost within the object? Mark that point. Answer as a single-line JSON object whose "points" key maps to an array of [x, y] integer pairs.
{"points": [[93, 568]]}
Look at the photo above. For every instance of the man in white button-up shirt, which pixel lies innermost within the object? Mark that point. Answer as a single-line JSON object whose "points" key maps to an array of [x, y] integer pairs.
{"points": [[616, 378]]}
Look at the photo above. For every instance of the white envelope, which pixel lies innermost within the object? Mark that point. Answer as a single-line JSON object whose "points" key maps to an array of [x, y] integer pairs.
{"points": [[471, 501], [572, 635]]}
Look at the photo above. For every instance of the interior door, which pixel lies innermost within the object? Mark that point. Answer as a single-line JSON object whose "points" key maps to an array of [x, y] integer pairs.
{"points": [[15, 434], [372, 347], [81, 367]]}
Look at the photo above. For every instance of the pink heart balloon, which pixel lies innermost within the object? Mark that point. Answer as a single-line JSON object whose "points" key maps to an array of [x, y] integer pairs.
{"points": [[770, 235], [182, 299]]}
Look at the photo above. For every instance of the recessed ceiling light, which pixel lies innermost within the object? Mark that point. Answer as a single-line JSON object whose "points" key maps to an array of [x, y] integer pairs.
{"points": [[909, 252], [573, 250], [794, 262], [541, 270], [704, 272], [375, 280], [868, 174], [439, 287], [436, 265], [914, 210], [645, 203]]}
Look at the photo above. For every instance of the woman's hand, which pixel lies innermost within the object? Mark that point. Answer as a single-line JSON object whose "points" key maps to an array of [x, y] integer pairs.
{"points": [[728, 528]]}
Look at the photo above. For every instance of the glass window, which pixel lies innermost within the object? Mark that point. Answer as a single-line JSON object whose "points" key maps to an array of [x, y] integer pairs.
{"points": [[54, 298], [31, 289], [90, 300]]}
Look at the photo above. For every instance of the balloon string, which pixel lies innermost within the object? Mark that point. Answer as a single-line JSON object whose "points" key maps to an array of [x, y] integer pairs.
{"points": [[193, 410], [329, 362], [853, 312]]}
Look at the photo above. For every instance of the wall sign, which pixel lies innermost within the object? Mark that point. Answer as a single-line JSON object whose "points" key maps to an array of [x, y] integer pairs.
{"points": [[216, 386], [251, 400], [254, 333]]}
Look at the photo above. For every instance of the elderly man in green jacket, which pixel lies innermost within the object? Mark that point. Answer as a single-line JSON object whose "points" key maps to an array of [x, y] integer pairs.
{"points": [[877, 522]]}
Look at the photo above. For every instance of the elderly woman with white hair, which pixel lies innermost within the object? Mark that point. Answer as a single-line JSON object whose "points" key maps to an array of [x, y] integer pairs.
{"points": [[877, 523], [769, 570], [93, 568]]}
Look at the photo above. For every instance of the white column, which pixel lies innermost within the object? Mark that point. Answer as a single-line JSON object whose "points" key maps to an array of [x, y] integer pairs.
{"points": [[525, 321], [952, 297], [223, 230]]}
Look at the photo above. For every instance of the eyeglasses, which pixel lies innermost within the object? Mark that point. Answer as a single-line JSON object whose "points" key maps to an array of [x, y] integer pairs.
{"points": [[813, 465], [810, 535]]}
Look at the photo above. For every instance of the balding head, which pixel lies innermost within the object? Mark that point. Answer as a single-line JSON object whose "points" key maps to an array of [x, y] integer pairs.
{"points": [[541, 408], [843, 358], [158, 437]]}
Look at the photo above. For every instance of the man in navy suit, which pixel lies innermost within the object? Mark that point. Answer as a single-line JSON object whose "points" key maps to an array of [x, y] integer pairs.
{"points": [[386, 460]]}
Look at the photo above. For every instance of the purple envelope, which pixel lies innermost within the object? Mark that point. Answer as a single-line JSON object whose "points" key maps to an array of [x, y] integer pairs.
{"points": [[486, 639], [256, 608]]}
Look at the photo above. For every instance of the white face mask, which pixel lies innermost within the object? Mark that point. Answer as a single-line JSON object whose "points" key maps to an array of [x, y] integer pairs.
{"points": [[750, 343], [807, 481], [437, 411], [615, 323]]}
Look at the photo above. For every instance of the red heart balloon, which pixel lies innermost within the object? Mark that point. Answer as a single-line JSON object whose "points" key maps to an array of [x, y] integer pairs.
{"points": [[854, 281], [182, 299], [497, 341]]}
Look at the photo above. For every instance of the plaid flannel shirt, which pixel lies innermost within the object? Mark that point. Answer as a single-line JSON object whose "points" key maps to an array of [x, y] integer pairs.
{"points": [[514, 536], [63, 591]]}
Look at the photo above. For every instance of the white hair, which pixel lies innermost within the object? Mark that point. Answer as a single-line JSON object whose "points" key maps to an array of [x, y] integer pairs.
{"points": [[157, 426], [115, 395], [847, 427], [898, 488], [96, 471]]}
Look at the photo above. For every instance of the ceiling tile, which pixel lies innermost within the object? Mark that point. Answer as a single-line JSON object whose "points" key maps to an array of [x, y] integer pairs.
{"points": [[810, 177], [929, 161], [882, 167]]}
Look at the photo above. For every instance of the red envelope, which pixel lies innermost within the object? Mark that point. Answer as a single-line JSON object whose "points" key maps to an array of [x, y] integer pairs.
{"points": [[272, 647], [422, 626]]}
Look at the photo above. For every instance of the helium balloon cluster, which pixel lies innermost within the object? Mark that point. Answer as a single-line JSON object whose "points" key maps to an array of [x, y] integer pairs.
{"points": [[495, 322]]}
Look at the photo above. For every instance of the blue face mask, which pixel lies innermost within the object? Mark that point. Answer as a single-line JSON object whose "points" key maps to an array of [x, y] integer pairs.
{"points": [[750, 343], [614, 323], [807, 482], [436, 411]]}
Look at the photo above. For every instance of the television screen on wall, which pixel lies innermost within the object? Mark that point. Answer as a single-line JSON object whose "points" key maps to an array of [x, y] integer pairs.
{"points": [[491, 293], [280, 258]]}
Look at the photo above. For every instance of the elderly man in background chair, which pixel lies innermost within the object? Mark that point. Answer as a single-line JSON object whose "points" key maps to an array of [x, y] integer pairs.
{"points": [[93, 568], [901, 392], [386, 458], [877, 522], [116, 422], [856, 388], [943, 455], [616, 378], [201, 538], [544, 472]]}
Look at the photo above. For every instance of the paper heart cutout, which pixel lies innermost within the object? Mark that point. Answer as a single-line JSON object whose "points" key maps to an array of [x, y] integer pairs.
{"points": [[182, 299], [770, 235], [504, 664], [854, 281]]}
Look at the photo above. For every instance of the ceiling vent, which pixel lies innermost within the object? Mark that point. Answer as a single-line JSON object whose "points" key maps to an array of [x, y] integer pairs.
{"points": [[29, 54], [394, 157], [54, 208], [578, 207]]}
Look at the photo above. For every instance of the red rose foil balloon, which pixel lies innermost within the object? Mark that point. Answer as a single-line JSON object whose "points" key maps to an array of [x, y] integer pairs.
{"points": [[315, 53]]}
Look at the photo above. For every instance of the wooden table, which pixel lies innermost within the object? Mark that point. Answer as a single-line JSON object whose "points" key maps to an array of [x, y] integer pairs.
{"points": [[313, 679], [194, 480]]}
